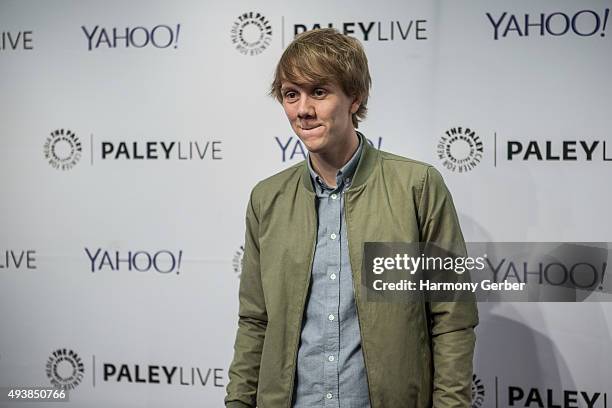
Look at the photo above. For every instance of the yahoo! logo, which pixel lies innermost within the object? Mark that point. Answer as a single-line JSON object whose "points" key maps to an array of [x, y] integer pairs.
{"points": [[162, 261], [293, 148], [583, 23], [160, 36]]}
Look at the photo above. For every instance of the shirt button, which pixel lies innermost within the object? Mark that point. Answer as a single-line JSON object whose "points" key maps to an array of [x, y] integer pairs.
{"points": [[334, 196], [329, 395], [331, 317], [332, 276], [333, 236], [330, 358], [347, 180]]}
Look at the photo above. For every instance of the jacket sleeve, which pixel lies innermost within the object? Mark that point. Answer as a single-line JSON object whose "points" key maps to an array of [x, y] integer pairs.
{"points": [[252, 320], [452, 323]]}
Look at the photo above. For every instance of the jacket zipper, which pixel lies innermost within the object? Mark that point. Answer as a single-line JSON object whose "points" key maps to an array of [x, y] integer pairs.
{"points": [[305, 295], [365, 360]]}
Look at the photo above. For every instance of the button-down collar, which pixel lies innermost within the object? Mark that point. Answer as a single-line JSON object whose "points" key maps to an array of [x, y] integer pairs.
{"points": [[344, 175]]}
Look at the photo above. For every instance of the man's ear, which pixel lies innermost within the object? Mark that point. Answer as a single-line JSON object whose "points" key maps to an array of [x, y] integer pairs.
{"points": [[355, 105]]}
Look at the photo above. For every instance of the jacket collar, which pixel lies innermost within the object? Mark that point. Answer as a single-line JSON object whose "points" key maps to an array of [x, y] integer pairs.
{"points": [[367, 162]]}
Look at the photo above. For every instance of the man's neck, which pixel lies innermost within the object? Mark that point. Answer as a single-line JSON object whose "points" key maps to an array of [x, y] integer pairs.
{"points": [[328, 163]]}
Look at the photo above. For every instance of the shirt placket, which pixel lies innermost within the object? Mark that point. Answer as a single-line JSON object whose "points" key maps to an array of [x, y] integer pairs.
{"points": [[332, 343]]}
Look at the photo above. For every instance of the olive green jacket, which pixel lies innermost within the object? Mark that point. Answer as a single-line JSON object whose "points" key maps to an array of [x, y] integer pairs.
{"points": [[416, 354]]}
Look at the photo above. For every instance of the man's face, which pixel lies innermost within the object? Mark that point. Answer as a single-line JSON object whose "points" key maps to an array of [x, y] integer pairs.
{"points": [[320, 114]]}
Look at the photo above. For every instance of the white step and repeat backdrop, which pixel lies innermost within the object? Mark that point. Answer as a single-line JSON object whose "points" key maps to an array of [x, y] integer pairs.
{"points": [[132, 133]]}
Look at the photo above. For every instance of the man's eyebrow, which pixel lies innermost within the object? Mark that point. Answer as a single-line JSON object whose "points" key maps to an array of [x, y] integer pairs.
{"points": [[305, 85], [290, 86]]}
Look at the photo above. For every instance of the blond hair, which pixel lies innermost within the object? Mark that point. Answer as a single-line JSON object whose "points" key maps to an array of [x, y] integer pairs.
{"points": [[322, 56]]}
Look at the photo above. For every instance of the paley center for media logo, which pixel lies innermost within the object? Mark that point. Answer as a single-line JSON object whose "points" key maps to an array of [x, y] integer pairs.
{"points": [[550, 150], [478, 392], [162, 374], [251, 33], [18, 259], [66, 370], [368, 31], [237, 261], [515, 395], [16, 40], [63, 150], [500, 393], [460, 149]]}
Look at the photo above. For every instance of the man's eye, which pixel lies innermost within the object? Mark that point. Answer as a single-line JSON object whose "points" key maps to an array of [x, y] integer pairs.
{"points": [[290, 95], [320, 92]]}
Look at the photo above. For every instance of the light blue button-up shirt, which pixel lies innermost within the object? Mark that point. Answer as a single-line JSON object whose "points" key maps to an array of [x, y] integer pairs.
{"points": [[330, 366]]}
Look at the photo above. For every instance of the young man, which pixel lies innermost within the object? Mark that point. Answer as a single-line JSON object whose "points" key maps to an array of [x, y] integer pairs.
{"points": [[307, 336]]}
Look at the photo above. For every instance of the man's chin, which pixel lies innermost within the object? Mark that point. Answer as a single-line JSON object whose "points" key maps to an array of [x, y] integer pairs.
{"points": [[314, 145]]}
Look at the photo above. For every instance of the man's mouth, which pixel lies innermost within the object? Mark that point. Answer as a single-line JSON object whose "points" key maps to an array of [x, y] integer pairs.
{"points": [[309, 127]]}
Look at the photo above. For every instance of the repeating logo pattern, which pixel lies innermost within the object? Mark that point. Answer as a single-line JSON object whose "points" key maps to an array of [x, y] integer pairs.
{"points": [[65, 369], [63, 149], [460, 149], [251, 33]]}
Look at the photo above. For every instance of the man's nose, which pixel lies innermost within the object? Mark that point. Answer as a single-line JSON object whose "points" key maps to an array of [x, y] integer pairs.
{"points": [[305, 107]]}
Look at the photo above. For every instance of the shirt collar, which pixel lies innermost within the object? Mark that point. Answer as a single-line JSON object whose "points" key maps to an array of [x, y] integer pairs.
{"points": [[344, 175]]}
